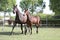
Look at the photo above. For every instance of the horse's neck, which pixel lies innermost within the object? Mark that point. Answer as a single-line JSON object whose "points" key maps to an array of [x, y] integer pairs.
{"points": [[28, 17], [18, 12], [19, 15]]}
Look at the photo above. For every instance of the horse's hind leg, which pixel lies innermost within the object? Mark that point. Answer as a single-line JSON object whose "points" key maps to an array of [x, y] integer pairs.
{"points": [[36, 29], [13, 28]]}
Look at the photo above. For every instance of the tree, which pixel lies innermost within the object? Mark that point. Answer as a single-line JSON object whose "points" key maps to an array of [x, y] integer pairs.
{"points": [[24, 4], [6, 4], [55, 6], [30, 4]]}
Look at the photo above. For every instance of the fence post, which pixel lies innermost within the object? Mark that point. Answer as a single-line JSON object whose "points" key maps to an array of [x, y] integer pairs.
{"points": [[46, 20], [4, 20]]}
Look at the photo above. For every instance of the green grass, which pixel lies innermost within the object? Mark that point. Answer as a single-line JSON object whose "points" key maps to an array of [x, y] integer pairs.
{"points": [[44, 34]]}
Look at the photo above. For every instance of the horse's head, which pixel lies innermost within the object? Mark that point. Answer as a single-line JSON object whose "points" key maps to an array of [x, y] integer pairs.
{"points": [[26, 11], [14, 8]]}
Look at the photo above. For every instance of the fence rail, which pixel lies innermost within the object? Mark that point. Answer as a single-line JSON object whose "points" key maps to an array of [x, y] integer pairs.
{"points": [[43, 22]]}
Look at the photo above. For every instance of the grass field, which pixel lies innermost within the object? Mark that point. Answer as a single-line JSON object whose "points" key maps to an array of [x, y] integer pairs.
{"points": [[44, 34]]}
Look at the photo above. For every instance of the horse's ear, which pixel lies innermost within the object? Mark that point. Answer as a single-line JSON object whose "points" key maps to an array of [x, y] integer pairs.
{"points": [[16, 5]]}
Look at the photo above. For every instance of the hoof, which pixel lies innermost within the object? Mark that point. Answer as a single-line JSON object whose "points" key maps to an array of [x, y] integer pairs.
{"points": [[22, 33], [37, 32]]}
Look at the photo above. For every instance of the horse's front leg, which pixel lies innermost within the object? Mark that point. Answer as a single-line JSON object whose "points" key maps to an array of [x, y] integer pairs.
{"points": [[31, 30], [13, 28], [22, 28]]}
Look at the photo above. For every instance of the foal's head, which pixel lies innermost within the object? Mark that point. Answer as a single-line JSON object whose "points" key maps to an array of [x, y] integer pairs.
{"points": [[26, 12], [14, 8]]}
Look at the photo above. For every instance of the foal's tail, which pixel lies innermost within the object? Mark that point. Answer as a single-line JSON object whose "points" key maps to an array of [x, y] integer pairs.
{"points": [[40, 22]]}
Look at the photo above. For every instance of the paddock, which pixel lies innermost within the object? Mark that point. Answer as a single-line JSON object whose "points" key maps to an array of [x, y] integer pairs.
{"points": [[45, 33]]}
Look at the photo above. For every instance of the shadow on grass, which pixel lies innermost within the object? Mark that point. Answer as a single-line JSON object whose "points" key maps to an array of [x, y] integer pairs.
{"points": [[8, 33]]}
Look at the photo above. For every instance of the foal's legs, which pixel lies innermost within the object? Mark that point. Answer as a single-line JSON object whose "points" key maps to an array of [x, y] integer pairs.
{"points": [[30, 28], [37, 25], [25, 30], [37, 29]]}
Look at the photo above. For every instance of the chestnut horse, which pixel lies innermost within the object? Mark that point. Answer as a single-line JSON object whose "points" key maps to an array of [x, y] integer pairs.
{"points": [[20, 18], [32, 20]]}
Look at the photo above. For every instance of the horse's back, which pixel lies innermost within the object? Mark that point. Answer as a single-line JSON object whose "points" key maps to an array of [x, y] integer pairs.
{"points": [[35, 19]]}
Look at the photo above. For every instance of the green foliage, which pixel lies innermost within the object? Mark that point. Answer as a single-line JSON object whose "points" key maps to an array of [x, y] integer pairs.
{"points": [[24, 4], [30, 4], [4, 4], [44, 16], [40, 2], [55, 6]]}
